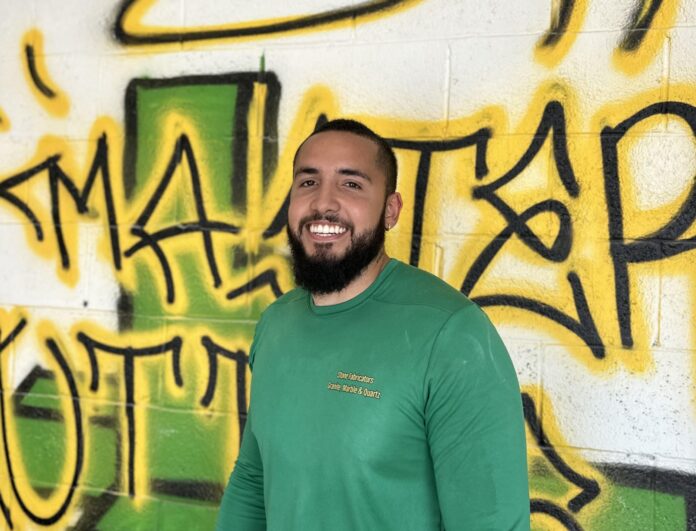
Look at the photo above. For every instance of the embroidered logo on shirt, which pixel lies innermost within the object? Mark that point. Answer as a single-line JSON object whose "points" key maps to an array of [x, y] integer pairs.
{"points": [[351, 387]]}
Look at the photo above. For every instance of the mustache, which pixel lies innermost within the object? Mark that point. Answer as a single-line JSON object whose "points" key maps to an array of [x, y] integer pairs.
{"points": [[329, 218]]}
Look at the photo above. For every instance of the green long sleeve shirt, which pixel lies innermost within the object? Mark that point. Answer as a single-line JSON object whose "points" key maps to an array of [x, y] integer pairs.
{"points": [[396, 410]]}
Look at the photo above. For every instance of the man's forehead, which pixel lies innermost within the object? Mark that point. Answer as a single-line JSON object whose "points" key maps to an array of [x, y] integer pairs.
{"points": [[341, 140]]}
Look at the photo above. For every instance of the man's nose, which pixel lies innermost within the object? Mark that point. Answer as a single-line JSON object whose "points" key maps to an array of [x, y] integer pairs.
{"points": [[325, 199]]}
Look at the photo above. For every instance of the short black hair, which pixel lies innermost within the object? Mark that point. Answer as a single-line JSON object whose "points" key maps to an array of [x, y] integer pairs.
{"points": [[385, 154]]}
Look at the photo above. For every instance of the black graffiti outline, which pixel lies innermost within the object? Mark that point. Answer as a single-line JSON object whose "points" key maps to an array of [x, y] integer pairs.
{"points": [[552, 123], [584, 327], [129, 355], [4, 343], [559, 24], [57, 178], [207, 491], [589, 488], [269, 277], [58, 357], [206, 227], [655, 479], [214, 351], [18, 179], [93, 508], [39, 83], [478, 139], [302, 22], [244, 84], [663, 243], [100, 165], [639, 24], [24, 389], [551, 509]]}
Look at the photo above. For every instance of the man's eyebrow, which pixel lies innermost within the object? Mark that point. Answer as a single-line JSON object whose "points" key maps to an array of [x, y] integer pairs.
{"points": [[354, 173], [306, 169], [350, 172]]}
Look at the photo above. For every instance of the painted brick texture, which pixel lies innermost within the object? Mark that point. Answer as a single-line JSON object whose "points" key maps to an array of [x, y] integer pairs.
{"points": [[547, 156]]}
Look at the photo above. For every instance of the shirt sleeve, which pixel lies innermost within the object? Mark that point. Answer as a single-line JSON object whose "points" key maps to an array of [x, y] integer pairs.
{"points": [[475, 427], [243, 506]]}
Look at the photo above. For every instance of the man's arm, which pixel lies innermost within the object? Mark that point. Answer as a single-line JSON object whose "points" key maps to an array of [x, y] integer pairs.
{"points": [[475, 427], [242, 507]]}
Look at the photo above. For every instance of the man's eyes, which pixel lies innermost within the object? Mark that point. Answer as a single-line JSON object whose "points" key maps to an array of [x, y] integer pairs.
{"points": [[306, 183]]}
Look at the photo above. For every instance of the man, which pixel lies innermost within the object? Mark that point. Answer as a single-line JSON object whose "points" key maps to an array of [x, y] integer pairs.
{"points": [[382, 399]]}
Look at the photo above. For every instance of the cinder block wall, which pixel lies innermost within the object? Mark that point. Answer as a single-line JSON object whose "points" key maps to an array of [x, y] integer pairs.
{"points": [[547, 161]]}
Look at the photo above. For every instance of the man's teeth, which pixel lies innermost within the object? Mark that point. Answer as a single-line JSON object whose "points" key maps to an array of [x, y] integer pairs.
{"points": [[326, 229]]}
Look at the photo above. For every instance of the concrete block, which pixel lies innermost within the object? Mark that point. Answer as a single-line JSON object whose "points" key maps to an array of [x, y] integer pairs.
{"points": [[173, 437], [644, 303], [205, 386], [66, 34], [203, 16], [686, 13], [96, 265], [594, 87], [445, 20], [192, 516], [658, 179], [73, 79], [410, 85], [30, 280], [494, 71], [526, 357], [42, 425], [680, 68], [602, 16], [618, 409], [509, 76], [137, 513], [23, 17], [676, 317]]}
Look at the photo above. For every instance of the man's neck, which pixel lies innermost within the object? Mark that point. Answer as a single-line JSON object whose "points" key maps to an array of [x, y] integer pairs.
{"points": [[357, 286]]}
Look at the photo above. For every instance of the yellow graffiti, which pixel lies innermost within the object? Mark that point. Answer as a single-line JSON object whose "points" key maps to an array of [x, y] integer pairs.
{"points": [[132, 28], [156, 393], [640, 221], [632, 62], [255, 120], [4, 122], [32, 191], [552, 485], [551, 54], [448, 205], [450, 210], [42, 507], [46, 92]]}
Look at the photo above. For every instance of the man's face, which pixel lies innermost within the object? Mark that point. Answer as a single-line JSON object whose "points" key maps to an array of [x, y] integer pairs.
{"points": [[337, 209], [338, 192]]}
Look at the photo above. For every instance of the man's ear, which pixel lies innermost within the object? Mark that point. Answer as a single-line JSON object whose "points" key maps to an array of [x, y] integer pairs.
{"points": [[392, 210]]}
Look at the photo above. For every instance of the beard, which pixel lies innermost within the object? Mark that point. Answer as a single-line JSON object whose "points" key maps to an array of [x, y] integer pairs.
{"points": [[323, 273]]}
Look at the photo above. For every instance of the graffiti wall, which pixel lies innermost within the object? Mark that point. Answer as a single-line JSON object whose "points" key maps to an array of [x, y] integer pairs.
{"points": [[547, 156]]}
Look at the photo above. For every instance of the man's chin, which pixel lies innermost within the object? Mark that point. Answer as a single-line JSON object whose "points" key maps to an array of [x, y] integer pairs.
{"points": [[330, 267], [323, 251]]}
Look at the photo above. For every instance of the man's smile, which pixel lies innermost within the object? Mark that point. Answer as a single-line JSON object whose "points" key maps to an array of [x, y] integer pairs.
{"points": [[324, 230]]}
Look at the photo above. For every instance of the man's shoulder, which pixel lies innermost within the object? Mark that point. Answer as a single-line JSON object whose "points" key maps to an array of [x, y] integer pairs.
{"points": [[414, 287], [294, 296], [278, 308]]}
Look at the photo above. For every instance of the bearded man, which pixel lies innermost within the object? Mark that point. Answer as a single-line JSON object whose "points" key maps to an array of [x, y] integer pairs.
{"points": [[382, 398]]}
